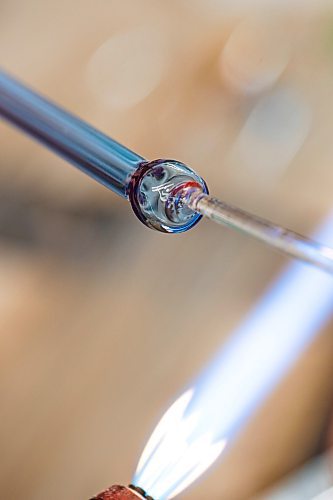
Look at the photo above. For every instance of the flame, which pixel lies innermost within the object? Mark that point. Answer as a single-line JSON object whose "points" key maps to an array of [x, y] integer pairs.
{"points": [[326, 495], [195, 430], [174, 457]]}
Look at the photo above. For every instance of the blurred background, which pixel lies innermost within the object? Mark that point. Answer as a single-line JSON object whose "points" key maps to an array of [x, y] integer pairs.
{"points": [[102, 321]]}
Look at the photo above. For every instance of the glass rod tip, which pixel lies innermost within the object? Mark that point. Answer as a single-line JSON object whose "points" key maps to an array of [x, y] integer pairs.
{"points": [[156, 192]]}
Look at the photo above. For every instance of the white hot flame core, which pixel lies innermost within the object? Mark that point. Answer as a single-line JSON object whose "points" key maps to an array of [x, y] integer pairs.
{"points": [[179, 457], [196, 428]]}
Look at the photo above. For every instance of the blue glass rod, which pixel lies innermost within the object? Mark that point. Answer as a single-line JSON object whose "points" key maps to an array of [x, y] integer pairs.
{"points": [[96, 154]]}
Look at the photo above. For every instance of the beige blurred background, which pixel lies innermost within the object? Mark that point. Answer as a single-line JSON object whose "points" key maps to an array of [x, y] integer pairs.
{"points": [[102, 321]]}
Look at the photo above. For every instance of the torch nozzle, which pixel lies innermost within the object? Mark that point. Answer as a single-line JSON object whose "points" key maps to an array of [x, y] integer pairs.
{"points": [[117, 492]]}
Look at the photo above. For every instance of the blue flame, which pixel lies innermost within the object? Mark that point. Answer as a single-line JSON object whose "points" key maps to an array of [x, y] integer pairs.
{"points": [[243, 373]]}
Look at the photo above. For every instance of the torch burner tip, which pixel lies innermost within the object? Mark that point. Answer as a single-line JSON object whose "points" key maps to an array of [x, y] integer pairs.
{"points": [[117, 492]]}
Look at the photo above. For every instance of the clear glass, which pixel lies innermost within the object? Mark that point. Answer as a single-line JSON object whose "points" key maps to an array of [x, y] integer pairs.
{"points": [[153, 192]]}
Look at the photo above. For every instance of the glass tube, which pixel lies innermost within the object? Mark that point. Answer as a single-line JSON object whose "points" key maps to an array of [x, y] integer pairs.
{"points": [[90, 150], [145, 184]]}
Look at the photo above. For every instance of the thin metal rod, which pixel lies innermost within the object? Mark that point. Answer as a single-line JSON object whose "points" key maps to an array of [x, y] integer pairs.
{"points": [[96, 154], [286, 241]]}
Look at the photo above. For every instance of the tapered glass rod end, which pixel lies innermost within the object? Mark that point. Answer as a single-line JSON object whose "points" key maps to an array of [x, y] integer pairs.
{"points": [[156, 192]]}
